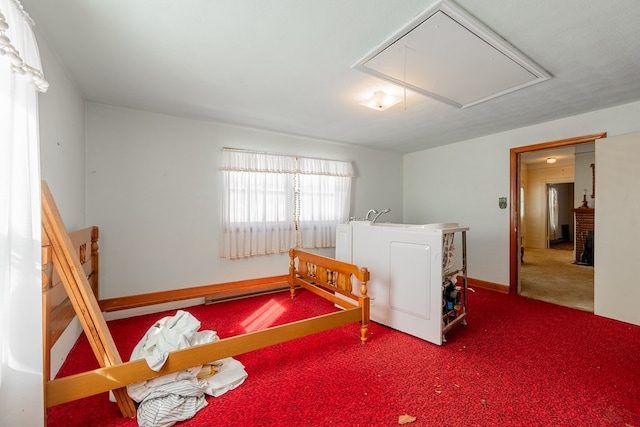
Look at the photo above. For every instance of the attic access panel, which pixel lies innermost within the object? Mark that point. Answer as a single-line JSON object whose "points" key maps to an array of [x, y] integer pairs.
{"points": [[448, 55]]}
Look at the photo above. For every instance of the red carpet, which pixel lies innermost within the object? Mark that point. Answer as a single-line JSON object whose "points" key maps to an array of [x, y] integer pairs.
{"points": [[520, 362]]}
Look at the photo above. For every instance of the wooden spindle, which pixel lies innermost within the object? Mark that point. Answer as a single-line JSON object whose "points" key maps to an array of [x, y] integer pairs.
{"points": [[95, 262]]}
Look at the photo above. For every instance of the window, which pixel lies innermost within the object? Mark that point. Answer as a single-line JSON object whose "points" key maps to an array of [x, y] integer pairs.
{"points": [[272, 202], [553, 213]]}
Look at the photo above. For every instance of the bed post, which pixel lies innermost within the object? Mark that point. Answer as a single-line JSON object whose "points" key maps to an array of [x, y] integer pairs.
{"points": [[364, 303]]}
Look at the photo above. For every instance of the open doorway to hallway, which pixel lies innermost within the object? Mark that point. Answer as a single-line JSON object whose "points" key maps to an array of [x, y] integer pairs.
{"points": [[543, 249]]}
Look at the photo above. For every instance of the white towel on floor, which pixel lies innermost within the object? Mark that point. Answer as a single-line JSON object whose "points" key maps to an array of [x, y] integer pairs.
{"points": [[178, 396]]}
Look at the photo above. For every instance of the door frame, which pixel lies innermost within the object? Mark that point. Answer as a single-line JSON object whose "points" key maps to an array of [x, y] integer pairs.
{"points": [[514, 196]]}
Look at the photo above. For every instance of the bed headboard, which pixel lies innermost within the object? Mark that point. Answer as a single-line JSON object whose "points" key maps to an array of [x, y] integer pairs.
{"points": [[57, 311], [329, 273]]}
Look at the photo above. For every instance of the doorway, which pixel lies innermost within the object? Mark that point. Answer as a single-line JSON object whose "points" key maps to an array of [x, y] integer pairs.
{"points": [[528, 241]]}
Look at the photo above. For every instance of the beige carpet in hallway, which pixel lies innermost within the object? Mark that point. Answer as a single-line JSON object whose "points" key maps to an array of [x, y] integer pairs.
{"points": [[550, 275]]}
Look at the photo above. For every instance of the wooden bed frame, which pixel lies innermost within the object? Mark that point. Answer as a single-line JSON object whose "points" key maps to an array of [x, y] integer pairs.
{"points": [[70, 287], [57, 311]]}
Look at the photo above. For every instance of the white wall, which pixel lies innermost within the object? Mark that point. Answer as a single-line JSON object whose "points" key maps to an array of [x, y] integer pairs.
{"points": [[62, 152], [617, 228], [462, 182], [62, 149], [152, 188]]}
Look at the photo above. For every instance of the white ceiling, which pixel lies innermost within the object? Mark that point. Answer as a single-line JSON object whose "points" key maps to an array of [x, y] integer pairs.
{"points": [[286, 65]]}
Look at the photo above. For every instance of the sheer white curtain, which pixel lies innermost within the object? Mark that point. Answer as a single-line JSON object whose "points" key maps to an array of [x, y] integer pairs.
{"points": [[325, 196], [553, 213], [273, 202], [20, 275], [257, 203]]}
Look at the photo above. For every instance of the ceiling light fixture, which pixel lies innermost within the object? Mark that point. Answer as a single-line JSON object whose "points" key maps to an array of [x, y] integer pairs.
{"points": [[551, 160], [381, 101]]}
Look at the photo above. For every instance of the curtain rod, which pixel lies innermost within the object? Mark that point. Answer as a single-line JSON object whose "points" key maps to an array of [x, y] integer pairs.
{"points": [[281, 154]]}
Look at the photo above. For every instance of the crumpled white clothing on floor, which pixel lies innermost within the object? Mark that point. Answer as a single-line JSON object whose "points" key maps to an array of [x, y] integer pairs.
{"points": [[158, 395], [176, 401], [168, 334]]}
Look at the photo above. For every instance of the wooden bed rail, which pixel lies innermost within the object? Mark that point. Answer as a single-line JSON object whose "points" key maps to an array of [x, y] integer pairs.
{"points": [[99, 380], [211, 293]]}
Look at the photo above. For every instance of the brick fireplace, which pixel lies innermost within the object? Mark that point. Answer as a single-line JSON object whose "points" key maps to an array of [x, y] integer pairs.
{"points": [[585, 230]]}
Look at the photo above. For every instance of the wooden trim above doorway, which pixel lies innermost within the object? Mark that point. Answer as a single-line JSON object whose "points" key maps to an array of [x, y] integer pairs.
{"points": [[559, 143], [514, 194]]}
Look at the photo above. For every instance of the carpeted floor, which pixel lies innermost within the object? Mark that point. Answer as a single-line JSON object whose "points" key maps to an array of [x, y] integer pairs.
{"points": [[519, 362], [550, 275]]}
